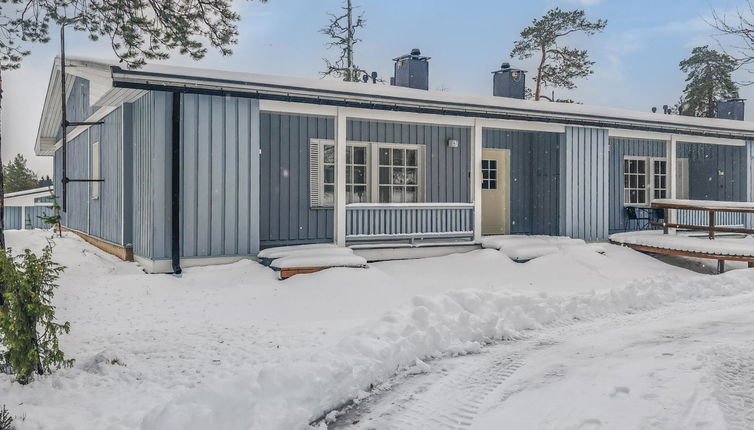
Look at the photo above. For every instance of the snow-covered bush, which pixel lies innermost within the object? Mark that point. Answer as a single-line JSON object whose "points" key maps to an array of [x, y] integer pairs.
{"points": [[28, 330]]}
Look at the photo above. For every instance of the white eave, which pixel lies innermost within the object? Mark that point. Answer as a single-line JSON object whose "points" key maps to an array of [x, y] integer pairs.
{"points": [[101, 94]]}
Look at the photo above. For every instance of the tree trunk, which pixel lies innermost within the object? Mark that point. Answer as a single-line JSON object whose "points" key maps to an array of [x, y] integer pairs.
{"points": [[538, 91], [349, 46], [2, 179]]}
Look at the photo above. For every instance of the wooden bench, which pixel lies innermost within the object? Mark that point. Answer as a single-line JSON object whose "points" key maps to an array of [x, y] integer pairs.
{"points": [[711, 207]]}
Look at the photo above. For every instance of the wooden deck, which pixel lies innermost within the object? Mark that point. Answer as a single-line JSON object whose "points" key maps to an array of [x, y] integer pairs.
{"points": [[680, 247]]}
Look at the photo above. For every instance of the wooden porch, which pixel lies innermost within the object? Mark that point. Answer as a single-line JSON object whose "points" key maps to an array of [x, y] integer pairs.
{"points": [[689, 244]]}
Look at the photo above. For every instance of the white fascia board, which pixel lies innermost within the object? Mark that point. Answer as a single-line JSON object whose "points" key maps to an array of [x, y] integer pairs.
{"points": [[681, 138], [406, 117], [684, 138], [508, 124], [638, 134]]}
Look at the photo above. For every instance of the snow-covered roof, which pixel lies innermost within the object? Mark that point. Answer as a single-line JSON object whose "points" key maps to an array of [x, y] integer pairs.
{"points": [[124, 84], [40, 190]]}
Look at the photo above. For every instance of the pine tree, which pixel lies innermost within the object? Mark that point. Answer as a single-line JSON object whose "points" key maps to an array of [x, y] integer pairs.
{"points": [[27, 317], [18, 177], [708, 80], [137, 31], [558, 65], [342, 30]]}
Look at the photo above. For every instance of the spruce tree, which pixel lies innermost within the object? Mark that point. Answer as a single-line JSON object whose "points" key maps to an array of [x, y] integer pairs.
{"points": [[708, 80], [18, 176], [558, 65], [27, 317]]}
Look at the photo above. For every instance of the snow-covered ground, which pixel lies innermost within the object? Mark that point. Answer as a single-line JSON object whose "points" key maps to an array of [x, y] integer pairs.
{"points": [[231, 347]]}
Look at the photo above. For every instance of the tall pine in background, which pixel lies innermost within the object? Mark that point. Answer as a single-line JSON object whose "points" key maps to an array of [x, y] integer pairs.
{"points": [[708, 79], [18, 176], [558, 66], [342, 32]]}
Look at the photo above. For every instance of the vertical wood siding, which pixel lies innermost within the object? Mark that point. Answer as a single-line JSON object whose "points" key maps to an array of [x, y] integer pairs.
{"points": [[619, 148], [220, 176], [584, 183], [716, 172], [750, 180], [446, 169], [151, 172], [106, 212], [285, 215], [534, 178], [77, 215]]}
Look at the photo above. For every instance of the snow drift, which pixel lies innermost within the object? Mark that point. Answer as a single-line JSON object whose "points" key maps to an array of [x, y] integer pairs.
{"points": [[290, 395]]}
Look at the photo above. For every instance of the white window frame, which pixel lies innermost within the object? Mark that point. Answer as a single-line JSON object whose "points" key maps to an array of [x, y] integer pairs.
{"points": [[649, 179], [96, 169], [317, 169], [653, 176], [645, 189], [420, 166]]}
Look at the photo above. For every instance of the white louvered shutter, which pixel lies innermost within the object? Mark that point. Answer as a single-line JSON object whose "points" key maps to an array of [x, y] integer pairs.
{"points": [[314, 174]]}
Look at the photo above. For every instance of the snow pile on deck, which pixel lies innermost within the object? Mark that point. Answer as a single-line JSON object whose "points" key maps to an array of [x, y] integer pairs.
{"points": [[743, 247], [288, 395], [316, 255], [524, 248]]}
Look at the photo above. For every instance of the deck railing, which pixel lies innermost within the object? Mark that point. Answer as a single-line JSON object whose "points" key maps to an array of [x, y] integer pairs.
{"points": [[369, 221]]}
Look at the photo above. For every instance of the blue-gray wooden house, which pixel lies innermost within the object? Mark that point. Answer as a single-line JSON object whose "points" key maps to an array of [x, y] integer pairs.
{"points": [[204, 166]]}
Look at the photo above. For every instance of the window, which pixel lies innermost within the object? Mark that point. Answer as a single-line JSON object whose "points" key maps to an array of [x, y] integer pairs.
{"points": [[398, 174], [328, 175], [489, 174], [95, 186], [659, 178], [646, 179], [635, 181], [375, 172], [357, 189]]}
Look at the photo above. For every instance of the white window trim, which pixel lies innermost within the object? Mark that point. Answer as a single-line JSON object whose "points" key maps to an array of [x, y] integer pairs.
{"points": [[650, 177], [375, 164], [96, 166], [316, 174], [646, 178], [652, 174]]}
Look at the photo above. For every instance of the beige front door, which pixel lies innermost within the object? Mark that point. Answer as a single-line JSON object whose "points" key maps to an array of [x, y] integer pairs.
{"points": [[495, 191]]}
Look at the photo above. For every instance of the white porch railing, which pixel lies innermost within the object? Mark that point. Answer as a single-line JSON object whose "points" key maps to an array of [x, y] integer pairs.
{"points": [[368, 221]]}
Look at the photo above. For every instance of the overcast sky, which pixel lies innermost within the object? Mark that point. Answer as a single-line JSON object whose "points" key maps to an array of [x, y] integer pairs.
{"points": [[636, 57]]}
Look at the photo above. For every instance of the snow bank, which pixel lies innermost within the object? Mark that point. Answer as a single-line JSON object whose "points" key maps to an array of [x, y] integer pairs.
{"points": [[655, 238], [288, 395], [525, 248]]}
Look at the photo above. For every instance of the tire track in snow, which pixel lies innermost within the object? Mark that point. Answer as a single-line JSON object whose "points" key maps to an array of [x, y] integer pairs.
{"points": [[456, 389], [447, 399], [734, 381]]}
